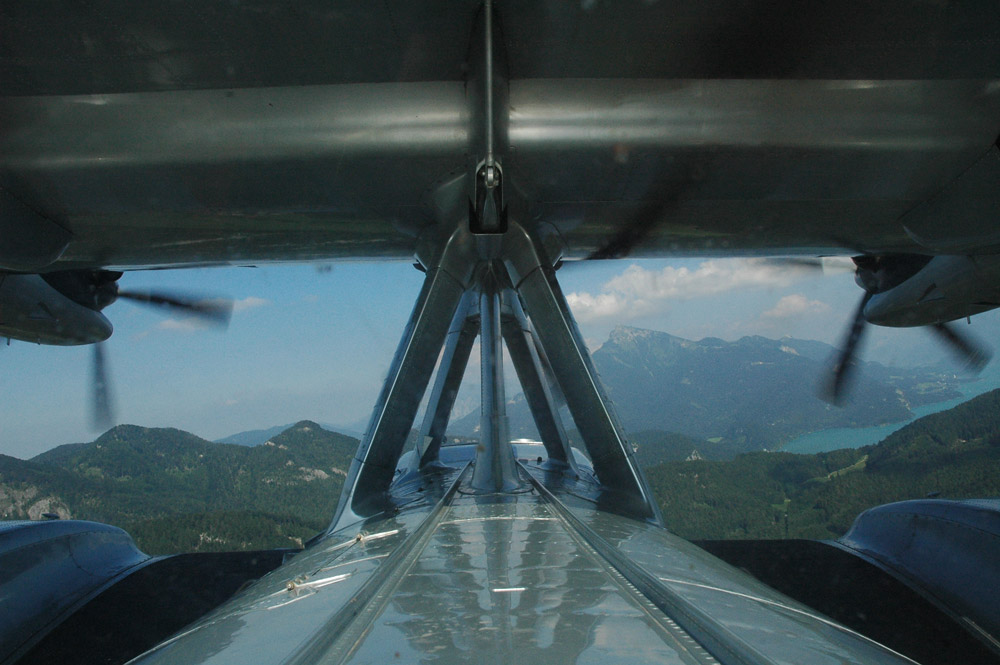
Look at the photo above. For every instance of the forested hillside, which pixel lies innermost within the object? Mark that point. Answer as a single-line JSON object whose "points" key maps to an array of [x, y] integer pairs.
{"points": [[654, 447], [953, 454], [176, 492], [144, 480]]}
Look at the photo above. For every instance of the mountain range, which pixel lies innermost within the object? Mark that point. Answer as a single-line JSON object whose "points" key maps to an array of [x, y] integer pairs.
{"points": [[176, 492], [952, 454], [256, 437], [686, 406], [752, 394], [226, 496]]}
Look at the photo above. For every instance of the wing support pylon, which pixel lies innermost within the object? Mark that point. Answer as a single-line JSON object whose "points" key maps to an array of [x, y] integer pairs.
{"points": [[489, 272], [503, 287]]}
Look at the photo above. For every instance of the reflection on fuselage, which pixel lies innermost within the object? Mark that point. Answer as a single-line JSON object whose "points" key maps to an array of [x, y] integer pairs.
{"points": [[504, 577]]}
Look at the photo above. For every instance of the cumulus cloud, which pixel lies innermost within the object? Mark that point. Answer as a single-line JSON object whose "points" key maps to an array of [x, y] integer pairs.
{"points": [[588, 307], [250, 302], [795, 305], [638, 291], [188, 324], [711, 277]]}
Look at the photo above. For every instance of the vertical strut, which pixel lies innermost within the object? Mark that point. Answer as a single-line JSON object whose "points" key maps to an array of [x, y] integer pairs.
{"points": [[488, 94], [481, 260], [373, 467], [614, 463], [488, 110], [518, 335], [495, 470], [454, 361]]}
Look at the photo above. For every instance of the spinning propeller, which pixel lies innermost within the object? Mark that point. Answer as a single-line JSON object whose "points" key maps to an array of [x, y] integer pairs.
{"points": [[98, 289], [212, 311], [878, 274]]}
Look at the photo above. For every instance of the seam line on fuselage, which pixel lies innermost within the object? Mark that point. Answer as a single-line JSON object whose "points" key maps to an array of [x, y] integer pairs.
{"points": [[680, 638], [346, 631]]}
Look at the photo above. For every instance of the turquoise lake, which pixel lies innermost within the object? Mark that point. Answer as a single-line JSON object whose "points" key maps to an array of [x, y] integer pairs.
{"points": [[851, 437]]}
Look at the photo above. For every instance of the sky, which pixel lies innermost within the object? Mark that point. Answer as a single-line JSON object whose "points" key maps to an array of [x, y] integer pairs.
{"points": [[315, 342]]}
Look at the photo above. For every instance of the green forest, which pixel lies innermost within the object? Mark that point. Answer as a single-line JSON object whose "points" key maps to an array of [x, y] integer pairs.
{"points": [[175, 492], [954, 454]]}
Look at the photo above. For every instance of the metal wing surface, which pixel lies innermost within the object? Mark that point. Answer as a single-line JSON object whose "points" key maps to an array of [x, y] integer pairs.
{"points": [[183, 133], [491, 140], [530, 578]]}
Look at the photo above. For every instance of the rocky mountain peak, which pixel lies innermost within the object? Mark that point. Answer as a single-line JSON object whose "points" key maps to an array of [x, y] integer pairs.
{"points": [[629, 337]]}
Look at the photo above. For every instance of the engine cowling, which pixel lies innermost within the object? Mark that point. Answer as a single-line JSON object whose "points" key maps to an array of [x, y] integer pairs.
{"points": [[32, 310], [946, 288]]}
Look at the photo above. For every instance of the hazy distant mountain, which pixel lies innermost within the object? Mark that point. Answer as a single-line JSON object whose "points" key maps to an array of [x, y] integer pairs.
{"points": [[522, 426], [754, 389], [253, 437], [749, 394], [257, 437]]}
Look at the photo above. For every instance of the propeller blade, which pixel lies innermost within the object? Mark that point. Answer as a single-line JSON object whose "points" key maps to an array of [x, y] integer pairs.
{"points": [[622, 243], [826, 265], [215, 311], [834, 391], [968, 350], [103, 417]]}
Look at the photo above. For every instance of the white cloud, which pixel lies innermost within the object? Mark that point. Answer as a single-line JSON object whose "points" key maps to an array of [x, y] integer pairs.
{"points": [[587, 307], [711, 277], [638, 291], [249, 302], [795, 305], [189, 324]]}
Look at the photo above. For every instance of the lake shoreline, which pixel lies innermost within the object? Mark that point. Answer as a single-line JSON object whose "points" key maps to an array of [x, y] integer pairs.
{"points": [[857, 437]]}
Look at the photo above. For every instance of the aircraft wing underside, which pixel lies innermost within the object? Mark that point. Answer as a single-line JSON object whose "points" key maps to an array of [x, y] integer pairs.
{"points": [[489, 141], [196, 134]]}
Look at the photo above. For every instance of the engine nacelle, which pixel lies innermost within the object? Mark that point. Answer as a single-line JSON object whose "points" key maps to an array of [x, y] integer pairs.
{"points": [[33, 311], [945, 289]]}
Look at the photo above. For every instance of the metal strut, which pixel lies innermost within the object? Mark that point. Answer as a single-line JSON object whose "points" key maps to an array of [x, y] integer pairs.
{"points": [[495, 469], [366, 488], [522, 346], [488, 95], [533, 276], [513, 298], [454, 360], [489, 271]]}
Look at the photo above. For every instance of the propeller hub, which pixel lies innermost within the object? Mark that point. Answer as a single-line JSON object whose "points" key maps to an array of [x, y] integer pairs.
{"points": [[94, 289]]}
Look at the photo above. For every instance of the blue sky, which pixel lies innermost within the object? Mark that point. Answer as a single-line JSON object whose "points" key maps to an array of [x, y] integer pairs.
{"points": [[316, 344]]}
